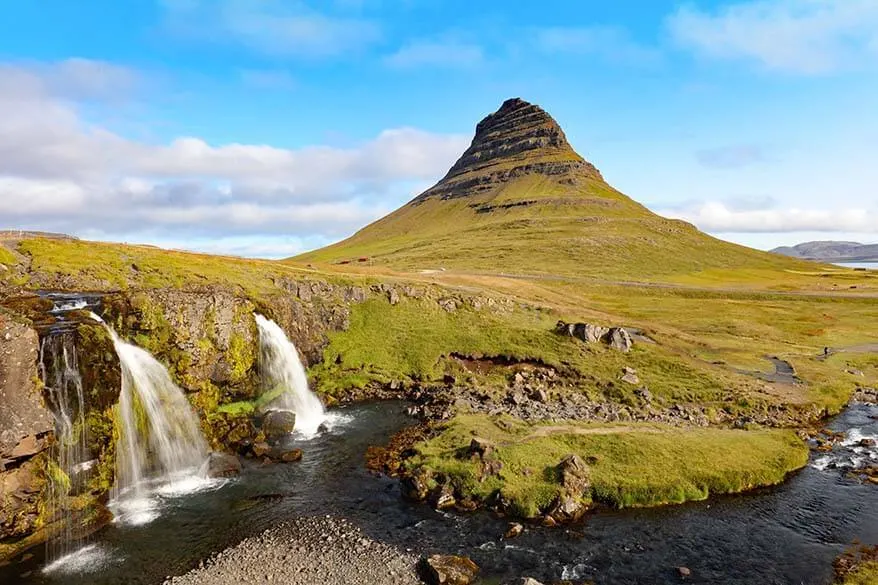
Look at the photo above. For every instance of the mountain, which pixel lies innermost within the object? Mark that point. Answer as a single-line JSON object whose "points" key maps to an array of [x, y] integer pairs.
{"points": [[521, 200], [831, 251]]}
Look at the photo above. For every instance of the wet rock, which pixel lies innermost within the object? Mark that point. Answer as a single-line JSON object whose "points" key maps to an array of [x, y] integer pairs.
{"points": [[285, 455], [515, 529], [450, 570], [523, 581], [260, 449], [442, 498], [278, 424], [567, 508], [223, 465], [867, 442], [414, 488], [684, 572]]}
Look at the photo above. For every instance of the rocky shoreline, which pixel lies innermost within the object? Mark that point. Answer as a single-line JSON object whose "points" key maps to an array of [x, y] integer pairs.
{"points": [[321, 550]]}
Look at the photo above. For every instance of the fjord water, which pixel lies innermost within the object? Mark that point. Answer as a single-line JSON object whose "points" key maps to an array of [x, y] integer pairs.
{"points": [[160, 447], [280, 366], [787, 534]]}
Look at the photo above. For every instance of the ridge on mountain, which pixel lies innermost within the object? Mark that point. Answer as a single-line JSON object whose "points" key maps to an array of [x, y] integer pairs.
{"points": [[520, 199]]}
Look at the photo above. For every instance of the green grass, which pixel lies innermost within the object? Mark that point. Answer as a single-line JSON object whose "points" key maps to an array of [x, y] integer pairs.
{"points": [[587, 229], [7, 257], [412, 340], [865, 574], [632, 465], [243, 407], [105, 266]]}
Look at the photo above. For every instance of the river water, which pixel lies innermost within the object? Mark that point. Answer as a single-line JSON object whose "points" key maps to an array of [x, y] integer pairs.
{"points": [[788, 534]]}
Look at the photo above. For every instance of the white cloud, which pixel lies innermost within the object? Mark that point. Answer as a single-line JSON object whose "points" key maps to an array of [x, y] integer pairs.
{"points": [[59, 173], [272, 27], [441, 53], [796, 36], [611, 43], [720, 217]]}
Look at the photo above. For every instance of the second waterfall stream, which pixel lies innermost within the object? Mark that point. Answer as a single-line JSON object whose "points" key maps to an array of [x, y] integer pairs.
{"points": [[280, 366]]}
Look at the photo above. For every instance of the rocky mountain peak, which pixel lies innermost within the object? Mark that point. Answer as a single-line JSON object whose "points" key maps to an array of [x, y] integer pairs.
{"points": [[519, 138]]}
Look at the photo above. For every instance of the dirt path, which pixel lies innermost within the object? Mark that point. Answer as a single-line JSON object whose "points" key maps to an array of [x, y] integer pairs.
{"points": [[576, 430]]}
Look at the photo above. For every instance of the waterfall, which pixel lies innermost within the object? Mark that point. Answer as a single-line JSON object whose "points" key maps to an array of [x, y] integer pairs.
{"points": [[63, 390], [280, 366], [160, 446]]}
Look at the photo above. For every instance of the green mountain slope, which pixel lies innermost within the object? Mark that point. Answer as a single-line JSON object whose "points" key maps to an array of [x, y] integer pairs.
{"points": [[521, 200]]}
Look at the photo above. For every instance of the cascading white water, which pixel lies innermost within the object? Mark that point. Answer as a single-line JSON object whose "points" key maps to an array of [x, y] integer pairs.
{"points": [[280, 366], [60, 374], [160, 446]]}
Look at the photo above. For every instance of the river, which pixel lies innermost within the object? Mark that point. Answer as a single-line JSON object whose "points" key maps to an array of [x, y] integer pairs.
{"points": [[788, 534]]}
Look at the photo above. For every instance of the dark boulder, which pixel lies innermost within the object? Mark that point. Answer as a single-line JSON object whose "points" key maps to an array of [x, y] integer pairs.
{"points": [[223, 465], [278, 423], [414, 488]]}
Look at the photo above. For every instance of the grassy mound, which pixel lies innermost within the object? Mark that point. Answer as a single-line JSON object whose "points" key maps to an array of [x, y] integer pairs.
{"points": [[631, 465]]}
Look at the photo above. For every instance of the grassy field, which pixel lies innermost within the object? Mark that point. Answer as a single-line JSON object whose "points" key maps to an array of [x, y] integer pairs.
{"points": [[711, 344], [630, 465], [104, 266], [537, 225]]}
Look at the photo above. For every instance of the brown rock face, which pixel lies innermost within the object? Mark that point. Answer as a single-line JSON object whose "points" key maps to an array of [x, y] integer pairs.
{"points": [[23, 417], [518, 139]]}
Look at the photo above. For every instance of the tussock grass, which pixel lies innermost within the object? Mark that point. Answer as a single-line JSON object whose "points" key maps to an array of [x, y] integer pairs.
{"points": [[631, 465], [865, 574]]}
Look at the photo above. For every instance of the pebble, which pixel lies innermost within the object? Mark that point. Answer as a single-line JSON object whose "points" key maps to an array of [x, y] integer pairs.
{"points": [[307, 551]]}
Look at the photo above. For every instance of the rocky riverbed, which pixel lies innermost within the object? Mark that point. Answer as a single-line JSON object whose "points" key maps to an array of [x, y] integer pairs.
{"points": [[317, 550]]}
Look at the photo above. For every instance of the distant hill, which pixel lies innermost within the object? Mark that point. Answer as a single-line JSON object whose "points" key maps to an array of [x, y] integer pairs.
{"points": [[521, 200], [831, 251]]}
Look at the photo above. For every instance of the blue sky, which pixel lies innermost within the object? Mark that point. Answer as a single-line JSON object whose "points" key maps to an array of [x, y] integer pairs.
{"points": [[268, 127]]}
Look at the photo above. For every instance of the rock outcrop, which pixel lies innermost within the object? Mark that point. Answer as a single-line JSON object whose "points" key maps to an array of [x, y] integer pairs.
{"points": [[24, 419], [617, 338], [518, 139]]}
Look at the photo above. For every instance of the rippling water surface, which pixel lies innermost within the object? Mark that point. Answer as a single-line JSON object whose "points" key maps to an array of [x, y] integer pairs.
{"points": [[787, 534]]}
